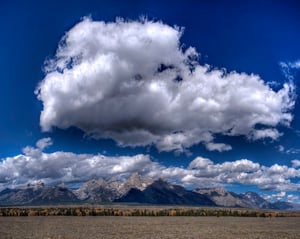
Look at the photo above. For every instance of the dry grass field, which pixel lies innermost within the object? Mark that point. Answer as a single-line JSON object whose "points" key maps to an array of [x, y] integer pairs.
{"points": [[148, 227]]}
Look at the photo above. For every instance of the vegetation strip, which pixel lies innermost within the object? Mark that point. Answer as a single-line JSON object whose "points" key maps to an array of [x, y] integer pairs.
{"points": [[91, 211]]}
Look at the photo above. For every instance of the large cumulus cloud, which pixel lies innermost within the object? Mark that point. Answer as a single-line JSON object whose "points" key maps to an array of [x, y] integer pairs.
{"points": [[132, 81]]}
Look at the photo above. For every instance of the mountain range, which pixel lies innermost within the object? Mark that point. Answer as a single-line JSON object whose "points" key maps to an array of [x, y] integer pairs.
{"points": [[135, 189]]}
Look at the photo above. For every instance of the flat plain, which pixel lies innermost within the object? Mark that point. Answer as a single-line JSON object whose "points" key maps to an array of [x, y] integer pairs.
{"points": [[62, 227]]}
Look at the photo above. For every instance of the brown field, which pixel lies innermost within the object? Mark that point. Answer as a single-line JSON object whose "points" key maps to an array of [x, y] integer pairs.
{"points": [[61, 227]]}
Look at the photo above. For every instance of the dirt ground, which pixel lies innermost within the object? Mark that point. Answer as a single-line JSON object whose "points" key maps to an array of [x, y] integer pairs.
{"points": [[148, 227]]}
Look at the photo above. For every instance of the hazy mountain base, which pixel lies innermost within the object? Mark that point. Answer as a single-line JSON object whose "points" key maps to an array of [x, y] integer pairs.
{"points": [[149, 227]]}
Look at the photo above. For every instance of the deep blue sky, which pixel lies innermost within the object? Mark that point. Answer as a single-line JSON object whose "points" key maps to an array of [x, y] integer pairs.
{"points": [[243, 36]]}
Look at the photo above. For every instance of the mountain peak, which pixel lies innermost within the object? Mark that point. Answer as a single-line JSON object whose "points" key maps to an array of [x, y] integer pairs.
{"points": [[100, 190], [35, 186], [135, 181], [256, 200]]}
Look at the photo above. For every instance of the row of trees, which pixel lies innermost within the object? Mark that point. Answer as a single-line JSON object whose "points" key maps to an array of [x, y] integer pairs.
{"points": [[86, 211]]}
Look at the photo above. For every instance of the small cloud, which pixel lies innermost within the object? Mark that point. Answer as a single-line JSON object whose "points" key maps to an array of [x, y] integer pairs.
{"points": [[200, 163], [293, 151], [211, 146], [289, 69], [280, 148], [281, 196], [40, 146], [295, 163], [265, 133], [292, 198], [44, 143], [276, 197], [294, 65]]}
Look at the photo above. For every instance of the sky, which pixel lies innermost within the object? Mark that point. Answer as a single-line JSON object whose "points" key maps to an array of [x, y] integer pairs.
{"points": [[201, 93]]}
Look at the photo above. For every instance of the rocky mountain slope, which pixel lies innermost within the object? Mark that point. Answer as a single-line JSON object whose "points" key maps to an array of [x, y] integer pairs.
{"points": [[162, 192], [37, 195], [222, 197], [257, 201]]}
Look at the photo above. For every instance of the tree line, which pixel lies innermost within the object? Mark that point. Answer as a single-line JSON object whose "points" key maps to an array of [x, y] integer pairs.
{"points": [[152, 212]]}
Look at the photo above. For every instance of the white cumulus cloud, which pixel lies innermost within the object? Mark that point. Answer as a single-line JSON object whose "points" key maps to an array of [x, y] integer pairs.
{"points": [[34, 165], [132, 81]]}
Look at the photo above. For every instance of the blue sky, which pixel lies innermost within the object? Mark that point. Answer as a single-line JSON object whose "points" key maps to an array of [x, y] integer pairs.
{"points": [[203, 93]]}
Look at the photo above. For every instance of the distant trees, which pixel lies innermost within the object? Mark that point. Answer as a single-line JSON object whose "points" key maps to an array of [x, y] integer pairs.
{"points": [[149, 212]]}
